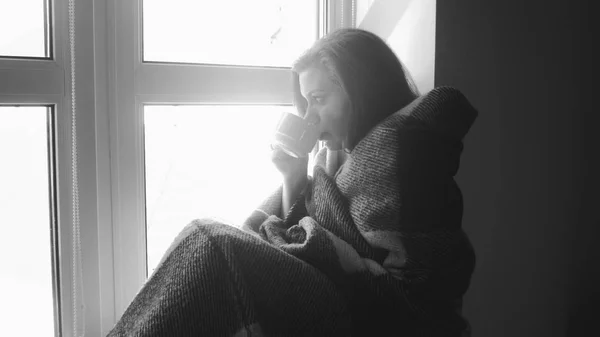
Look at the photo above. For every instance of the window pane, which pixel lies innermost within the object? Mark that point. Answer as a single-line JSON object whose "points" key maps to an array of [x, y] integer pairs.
{"points": [[205, 161], [26, 284], [232, 32], [23, 28]]}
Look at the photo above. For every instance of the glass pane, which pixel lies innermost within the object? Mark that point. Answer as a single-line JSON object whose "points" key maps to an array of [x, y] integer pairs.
{"points": [[233, 32], [26, 287], [23, 28], [205, 161]]}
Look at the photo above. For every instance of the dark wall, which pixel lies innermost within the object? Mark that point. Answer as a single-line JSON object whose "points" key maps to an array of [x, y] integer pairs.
{"points": [[530, 168]]}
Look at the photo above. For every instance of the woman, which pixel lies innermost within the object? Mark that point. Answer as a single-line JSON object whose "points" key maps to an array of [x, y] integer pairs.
{"points": [[347, 83], [370, 245]]}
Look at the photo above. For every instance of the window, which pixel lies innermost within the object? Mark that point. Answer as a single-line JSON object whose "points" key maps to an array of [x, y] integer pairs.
{"points": [[204, 161], [131, 79], [234, 32], [35, 175], [31, 94], [28, 240], [25, 28]]}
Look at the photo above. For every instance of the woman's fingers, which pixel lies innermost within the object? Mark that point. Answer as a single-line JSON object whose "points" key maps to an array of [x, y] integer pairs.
{"points": [[279, 156], [289, 166]]}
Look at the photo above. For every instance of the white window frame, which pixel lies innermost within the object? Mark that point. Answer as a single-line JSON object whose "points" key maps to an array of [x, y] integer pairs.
{"points": [[37, 81], [133, 84]]}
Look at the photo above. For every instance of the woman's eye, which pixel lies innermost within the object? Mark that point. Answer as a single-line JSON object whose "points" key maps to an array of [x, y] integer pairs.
{"points": [[318, 99]]}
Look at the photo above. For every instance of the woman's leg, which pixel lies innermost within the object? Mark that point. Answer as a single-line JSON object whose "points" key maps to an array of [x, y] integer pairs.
{"points": [[216, 280]]}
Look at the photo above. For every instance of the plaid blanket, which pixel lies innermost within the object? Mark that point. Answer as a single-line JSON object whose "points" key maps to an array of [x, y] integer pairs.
{"points": [[375, 248]]}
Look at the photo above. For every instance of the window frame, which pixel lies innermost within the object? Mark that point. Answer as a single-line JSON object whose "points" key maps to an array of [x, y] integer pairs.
{"points": [[37, 81], [54, 190], [47, 82], [49, 35]]}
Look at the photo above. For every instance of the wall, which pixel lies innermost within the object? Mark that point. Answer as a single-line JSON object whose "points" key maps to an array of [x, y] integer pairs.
{"points": [[530, 167], [408, 26]]}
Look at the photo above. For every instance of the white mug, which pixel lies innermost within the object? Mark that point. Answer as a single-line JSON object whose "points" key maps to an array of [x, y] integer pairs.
{"points": [[295, 136]]}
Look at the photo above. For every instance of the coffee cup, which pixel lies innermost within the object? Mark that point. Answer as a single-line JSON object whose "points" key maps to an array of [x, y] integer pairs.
{"points": [[295, 136]]}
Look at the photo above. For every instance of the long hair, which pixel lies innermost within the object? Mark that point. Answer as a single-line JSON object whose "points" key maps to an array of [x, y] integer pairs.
{"points": [[366, 69]]}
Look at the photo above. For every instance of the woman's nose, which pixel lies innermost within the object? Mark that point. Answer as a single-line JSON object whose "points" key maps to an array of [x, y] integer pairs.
{"points": [[312, 117]]}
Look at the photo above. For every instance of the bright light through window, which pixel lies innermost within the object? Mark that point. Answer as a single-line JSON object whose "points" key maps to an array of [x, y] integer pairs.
{"points": [[205, 161], [23, 28], [362, 7], [229, 32], [26, 289]]}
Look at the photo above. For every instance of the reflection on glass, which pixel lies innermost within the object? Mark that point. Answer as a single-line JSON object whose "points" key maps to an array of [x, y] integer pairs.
{"points": [[205, 161], [232, 32], [26, 286], [23, 28]]}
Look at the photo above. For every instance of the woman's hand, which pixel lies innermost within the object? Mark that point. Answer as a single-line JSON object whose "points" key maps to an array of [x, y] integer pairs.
{"points": [[294, 171]]}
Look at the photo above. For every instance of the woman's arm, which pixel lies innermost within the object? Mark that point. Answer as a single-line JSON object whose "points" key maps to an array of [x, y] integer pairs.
{"points": [[292, 188], [295, 177]]}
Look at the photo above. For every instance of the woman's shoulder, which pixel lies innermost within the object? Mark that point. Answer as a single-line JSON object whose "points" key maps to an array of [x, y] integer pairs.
{"points": [[443, 109]]}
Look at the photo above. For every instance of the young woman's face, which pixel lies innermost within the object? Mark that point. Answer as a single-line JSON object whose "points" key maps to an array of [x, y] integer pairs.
{"points": [[328, 106]]}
